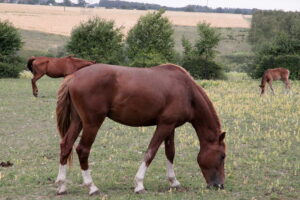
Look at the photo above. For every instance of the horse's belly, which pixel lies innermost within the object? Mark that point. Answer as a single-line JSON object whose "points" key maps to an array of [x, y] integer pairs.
{"points": [[134, 116]]}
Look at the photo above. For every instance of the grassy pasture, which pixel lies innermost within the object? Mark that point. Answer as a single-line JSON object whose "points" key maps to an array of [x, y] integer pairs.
{"points": [[263, 151]]}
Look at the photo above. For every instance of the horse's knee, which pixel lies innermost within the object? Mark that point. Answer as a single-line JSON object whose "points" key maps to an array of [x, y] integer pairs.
{"points": [[83, 155]]}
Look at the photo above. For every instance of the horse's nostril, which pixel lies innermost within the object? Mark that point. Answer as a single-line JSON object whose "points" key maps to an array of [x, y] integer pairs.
{"points": [[216, 186]]}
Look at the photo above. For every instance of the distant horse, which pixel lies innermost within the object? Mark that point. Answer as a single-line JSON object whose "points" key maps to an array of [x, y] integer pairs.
{"points": [[165, 96], [54, 67], [271, 75]]}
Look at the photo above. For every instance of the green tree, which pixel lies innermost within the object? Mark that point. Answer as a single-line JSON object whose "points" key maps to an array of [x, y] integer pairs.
{"points": [[97, 39], [282, 51], [199, 59], [10, 44], [150, 41]]}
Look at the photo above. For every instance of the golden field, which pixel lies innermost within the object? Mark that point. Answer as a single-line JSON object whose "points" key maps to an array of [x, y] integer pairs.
{"points": [[53, 19]]}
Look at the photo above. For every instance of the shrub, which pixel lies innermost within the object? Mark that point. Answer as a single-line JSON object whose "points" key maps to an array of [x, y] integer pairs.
{"points": [[10, 41], [291, 62], [97, 39], [281, 52], [150, 41], [198, 58]]}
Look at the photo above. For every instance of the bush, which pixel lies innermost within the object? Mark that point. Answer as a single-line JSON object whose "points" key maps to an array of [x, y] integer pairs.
{"points": [[150, 41], [203, 69], [280, 52], [291, 62], [97, 39], [198, 58], [10, 41], [10, 68]]}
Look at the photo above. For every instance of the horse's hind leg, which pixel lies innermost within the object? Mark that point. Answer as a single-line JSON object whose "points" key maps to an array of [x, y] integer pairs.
{"points": [[33, 81], [66, 146], [83, 151], [162, 131], [287, 85], [170, 153]]}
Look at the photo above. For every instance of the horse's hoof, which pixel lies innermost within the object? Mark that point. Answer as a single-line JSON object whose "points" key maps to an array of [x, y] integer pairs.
{"points": [[141, 191], [95, 193], [176, 187], [61, 193]]}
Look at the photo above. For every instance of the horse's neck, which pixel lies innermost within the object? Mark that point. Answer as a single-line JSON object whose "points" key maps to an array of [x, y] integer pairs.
{"points": [[206, 120]]}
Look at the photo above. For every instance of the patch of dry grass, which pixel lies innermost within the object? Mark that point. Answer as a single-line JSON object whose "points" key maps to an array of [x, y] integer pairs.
{"points": [[53, 19]]}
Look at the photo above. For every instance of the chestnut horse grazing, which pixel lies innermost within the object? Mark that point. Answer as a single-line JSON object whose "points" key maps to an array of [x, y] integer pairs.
{"points": [[54, 67], [271, 75], [165, 96]]}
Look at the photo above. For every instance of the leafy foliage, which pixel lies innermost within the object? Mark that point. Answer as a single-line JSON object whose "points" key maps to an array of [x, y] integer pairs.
{"points": [[150, 41], [97, 39], [10, 43], [276, 39], [266, 25], [198, 59]]}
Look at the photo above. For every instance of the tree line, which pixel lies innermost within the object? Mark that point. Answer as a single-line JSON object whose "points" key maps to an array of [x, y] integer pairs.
{"points": [[135, 5], [275, 36]]}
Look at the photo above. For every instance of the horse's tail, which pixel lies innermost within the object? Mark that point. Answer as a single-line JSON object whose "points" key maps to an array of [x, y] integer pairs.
{"points": [[29, 63], [64, 111]]}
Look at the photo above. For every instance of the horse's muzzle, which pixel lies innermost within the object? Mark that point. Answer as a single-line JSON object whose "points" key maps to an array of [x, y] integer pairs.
{"points": [[216, 186]]}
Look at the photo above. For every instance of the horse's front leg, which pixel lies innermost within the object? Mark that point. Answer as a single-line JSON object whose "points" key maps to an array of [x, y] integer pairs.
{"points": [[170, 153], [162, 131], [35, 90], [83, 151]]}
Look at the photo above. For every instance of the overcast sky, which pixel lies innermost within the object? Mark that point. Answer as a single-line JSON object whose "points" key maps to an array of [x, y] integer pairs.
{"points": [[287, 5]]}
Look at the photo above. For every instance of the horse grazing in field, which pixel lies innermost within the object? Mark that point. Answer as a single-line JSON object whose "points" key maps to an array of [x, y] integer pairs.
{"points": [[165, 96], [271, 75], [54, 67]]}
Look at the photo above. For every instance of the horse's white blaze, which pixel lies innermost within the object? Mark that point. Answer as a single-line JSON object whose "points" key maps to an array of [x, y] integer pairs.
{"points": [[139, 178], [171, 175], [88, 181], [61, 179]]}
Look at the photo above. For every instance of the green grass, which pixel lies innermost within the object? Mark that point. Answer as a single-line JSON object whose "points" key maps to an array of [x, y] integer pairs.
{"points": [[38, 43], [263, 151]]}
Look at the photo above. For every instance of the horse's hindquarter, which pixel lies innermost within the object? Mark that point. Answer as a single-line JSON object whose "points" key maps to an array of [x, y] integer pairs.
{"points": [[136, 97]]}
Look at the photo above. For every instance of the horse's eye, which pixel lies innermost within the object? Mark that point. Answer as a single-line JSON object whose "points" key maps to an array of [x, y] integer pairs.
{"points": [[223, 156]]}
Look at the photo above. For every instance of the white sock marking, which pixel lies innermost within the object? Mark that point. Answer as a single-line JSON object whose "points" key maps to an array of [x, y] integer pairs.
{"points": [[171, 175], [139, 178], [88, 181], [61, 179]]}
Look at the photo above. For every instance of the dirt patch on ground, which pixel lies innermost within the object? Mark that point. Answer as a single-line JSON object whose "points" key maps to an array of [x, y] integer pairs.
{"points": [[6, 164]]}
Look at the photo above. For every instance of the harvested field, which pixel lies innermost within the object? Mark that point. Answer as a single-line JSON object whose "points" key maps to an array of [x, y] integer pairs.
{"points": [[53, 19]]}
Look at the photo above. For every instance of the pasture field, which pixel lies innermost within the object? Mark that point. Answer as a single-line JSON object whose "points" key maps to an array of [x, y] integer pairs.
{"points": [[263, 147], [53, 19]]}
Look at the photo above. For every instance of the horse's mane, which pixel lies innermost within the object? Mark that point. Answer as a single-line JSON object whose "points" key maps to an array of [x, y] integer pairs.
{"points": [[204, 95]]}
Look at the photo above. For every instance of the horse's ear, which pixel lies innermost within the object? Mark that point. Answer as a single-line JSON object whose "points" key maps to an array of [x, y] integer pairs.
{"points": [[222, 136]]}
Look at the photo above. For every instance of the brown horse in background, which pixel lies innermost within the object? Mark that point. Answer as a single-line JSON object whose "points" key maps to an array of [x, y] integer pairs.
{"points": [[54, 67], [165, 96], [271, 75]]}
